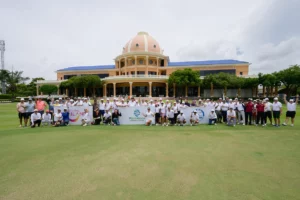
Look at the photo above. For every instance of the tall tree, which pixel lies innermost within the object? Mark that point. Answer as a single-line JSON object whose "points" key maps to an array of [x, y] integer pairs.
{"points": [[15, 78], [290, 78], [186, 77], [48, 89]]}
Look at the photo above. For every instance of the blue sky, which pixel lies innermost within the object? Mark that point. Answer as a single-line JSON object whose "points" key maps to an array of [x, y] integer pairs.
{"points": [[43, 36]]}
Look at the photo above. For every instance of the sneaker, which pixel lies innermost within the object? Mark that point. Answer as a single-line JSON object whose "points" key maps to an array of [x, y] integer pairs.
{"points": [[167, 125], [84, 125], [292, 124], [233, 125], [263, 125], [191, 124], [20, 126], [215, 124], [243, 124], [284, 124], [181, 124]]}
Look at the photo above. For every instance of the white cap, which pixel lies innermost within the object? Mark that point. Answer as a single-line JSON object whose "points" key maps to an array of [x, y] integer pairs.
{"points": [[276, 98], [160, 98], [212, 110], [151, 100], [56, 100], [292, 100], [79, 98], [220, 98], [194, 111], [60, 98], [230, 99], [266, 99], [181, 112], [183, 102], [200, 100], [207, 99], [107, 99], [35, 110], [71, 100], [236, 99], [22, 99], [122, 99], [102, 100]]}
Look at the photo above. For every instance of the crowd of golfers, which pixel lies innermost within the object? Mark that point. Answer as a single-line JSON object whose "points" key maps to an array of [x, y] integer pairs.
{"points": [[227, 111]]}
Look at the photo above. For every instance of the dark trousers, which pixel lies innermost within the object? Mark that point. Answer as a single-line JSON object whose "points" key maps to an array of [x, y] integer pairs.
{"points": [[212, 121], [219, 115], [224, 114], [172, 120], [107, 121], [36, 122], [260, 117], [157, 117], [248, 116]]}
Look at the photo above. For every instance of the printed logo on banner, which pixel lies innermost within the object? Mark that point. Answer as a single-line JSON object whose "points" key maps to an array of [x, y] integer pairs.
{"points": [[200, 113], [136, 117], [136, 113], [75, 114]]}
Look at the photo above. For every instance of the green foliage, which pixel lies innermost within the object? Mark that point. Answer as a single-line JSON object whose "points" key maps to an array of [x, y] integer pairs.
{"points": [[4, 74], [5, 96], [14, 78], [48, 89], [82, 82], [186, 77], [290, 78]]}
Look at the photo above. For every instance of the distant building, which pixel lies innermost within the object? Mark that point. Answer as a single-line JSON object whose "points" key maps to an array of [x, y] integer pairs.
{"points": [[143, 69]]}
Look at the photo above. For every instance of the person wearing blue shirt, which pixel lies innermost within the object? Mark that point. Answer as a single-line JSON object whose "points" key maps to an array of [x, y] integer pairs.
{"points": [[65, 116]]}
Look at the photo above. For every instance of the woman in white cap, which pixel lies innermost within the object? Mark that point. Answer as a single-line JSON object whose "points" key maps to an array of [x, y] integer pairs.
{"points": [[86, 118], [46, 118], [291, 110], [148, 117], [35, 118], [277, 111], [163, 111], [170, 116], [57, 118], [231, 117], [194, 119], [102, 107], [21, 111], [268, 111], [107, 117], [212, 117], [181, 120]]}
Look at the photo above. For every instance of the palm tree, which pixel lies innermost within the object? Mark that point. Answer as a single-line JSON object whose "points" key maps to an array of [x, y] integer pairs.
{"points": [[3, 77], [13, 79]]}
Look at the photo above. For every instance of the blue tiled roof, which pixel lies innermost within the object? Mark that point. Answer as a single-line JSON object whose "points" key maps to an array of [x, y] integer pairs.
{"points": [[206, 62], [88, 67]]}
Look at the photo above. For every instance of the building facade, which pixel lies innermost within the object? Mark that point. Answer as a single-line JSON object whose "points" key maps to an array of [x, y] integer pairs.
{"points": [[143, 70]]}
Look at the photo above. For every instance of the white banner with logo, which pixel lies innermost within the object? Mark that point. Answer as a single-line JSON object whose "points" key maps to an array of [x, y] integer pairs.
{"points": [[76, 113], [132, 115], [135, 115]]}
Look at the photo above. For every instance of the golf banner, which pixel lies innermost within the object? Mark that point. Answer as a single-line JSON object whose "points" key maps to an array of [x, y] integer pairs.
{"points": [[76, 113], [132, 115], [135, 115]]}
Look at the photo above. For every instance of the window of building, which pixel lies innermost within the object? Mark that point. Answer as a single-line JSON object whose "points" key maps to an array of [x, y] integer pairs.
{"points": [[137, 45], [133, 62], [154, 46], [150, 62], [241, 73], [141, 62], [207, 72]]}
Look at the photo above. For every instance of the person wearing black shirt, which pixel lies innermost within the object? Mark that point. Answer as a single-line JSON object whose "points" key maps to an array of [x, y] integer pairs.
{"points": [[97, 116], [115, 117]]}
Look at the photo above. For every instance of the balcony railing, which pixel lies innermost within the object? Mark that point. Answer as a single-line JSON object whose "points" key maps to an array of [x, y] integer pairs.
{"points": [[50, 81], [163, 77]]}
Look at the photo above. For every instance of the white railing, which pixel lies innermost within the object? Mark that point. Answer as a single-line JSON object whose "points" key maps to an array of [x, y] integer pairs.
{"points": [[136, 76], [50, 81]]}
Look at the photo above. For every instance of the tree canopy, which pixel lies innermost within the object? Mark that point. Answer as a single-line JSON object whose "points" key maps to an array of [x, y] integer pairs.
{"points": [[186, 77], [14, 78], [82, 82], [48, 89]]}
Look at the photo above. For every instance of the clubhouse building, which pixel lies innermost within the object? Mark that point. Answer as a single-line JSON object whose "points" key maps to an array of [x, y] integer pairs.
{"points": [[142, 69]]}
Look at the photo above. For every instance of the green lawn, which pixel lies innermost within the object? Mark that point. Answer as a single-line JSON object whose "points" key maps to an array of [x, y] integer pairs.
{"points": [[137, 162]]}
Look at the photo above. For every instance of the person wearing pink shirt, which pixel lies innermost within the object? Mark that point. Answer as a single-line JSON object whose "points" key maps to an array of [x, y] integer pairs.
{"points": [[40, 105]]}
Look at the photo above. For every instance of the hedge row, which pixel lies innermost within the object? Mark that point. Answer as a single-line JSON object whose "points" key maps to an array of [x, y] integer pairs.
{"points": [[5, 96]]}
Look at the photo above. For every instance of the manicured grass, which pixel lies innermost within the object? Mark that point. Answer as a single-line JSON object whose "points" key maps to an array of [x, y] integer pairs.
{"points": [[137, 162]]}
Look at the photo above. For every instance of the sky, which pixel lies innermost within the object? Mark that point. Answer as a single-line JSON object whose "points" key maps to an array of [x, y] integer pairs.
{"points": [[44, 36]]}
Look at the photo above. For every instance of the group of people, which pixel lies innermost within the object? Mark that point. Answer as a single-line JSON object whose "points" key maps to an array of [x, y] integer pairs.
{"points": [[228, 111]]}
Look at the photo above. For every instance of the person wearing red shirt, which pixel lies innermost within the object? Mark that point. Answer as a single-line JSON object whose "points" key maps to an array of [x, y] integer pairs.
{"points": [[260, 107], [248, 111]]}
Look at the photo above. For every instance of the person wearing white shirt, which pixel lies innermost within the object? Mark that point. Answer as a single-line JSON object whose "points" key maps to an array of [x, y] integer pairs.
{"points": [[194, 119], [70, 103], [79, 102], [102, 107], [224, 109], [107, 104], [170, 116], [277, 111], [132, 103], [218, 110], [57, 118], [181, 120], [114, 104], [148, 117], [212, 117], [231, 117], [46, 118], [291, 110], [85, 103], [107, 117], [268, 111], [168, 104], [163, 110], [241, 110], [86, 118], [210, 105], [152, 106], [144, 103], [176, 110], [35, 118], [122, 103]]}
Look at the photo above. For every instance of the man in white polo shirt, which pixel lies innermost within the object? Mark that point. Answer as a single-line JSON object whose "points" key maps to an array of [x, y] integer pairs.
{"points": [[194, 119], [181, 119], [35, 118], [268, 111], [277, 111], [291, 110]]}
